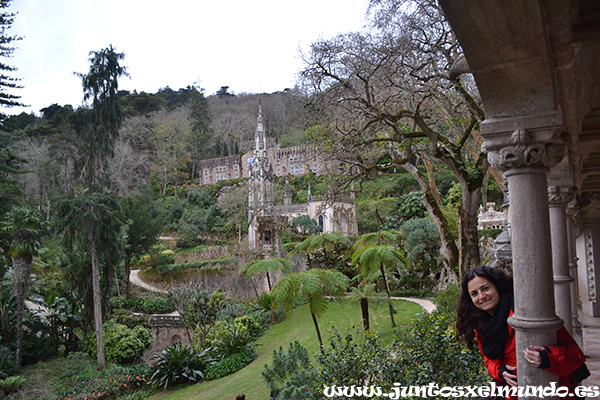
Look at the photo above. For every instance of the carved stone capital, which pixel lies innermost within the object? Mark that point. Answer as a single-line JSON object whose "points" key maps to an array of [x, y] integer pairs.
{"points": [[524, 142], [531, 155], [560, 195]]}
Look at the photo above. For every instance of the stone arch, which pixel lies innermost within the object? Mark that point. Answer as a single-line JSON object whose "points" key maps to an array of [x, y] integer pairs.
{"points": [[175, 339]]}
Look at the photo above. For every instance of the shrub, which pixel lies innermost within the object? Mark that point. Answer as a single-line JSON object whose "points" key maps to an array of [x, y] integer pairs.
{"points": [[179, 364], [430, 352], [410, 205], [231, 311], [255, 324], [366, 213], [7, 362], [121, 343], [413, 283], [230, 364], [411, 292], [227, 339], [164, 259], [489, 233], [357, 358], [447, 301], [129, 319], [422, 244], [290, 374]]}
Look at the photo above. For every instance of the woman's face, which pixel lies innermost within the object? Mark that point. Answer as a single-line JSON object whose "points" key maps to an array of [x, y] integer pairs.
{"points": [[484, 294]]}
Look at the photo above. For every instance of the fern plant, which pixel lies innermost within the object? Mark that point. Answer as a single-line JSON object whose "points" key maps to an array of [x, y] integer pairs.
{"points": [[12, 384], [316, 285]]}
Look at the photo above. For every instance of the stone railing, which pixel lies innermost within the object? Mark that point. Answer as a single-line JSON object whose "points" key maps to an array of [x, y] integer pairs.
{"points": [[166, 320], [291, 208]]}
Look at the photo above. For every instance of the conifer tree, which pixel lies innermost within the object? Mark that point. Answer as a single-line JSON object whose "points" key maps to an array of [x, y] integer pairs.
{"points": [[7, 82]]}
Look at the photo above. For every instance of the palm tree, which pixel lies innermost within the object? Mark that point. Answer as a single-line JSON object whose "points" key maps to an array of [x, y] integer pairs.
{"points": [[268, 266], [25, 227], [377, 258], [317, 285]]}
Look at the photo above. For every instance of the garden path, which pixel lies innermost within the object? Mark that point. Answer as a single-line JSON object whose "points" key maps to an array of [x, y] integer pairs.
{"points": [[134, 278], [427, 305]]}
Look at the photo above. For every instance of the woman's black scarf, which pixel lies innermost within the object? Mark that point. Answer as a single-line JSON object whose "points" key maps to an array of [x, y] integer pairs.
{"points": [[494, 329]]}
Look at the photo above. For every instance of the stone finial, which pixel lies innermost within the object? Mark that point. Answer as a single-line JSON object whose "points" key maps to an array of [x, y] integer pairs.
{"points": [[287, 193]]}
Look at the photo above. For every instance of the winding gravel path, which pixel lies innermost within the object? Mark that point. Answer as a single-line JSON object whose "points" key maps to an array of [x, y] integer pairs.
{"points": [[134, 278]]}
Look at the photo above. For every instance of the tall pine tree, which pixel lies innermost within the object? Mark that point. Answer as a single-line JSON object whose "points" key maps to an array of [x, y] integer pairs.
{"points": [[7, 83]]}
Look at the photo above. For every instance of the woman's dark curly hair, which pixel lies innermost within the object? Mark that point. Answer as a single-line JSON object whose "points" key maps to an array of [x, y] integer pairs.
{"points": [[467, 314]]}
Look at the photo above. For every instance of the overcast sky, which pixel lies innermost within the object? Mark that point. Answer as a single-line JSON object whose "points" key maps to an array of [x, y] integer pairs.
{"points": [[250, 46]]}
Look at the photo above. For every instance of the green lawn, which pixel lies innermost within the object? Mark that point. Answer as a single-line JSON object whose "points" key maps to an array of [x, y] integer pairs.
{"points": [[298, 327]]}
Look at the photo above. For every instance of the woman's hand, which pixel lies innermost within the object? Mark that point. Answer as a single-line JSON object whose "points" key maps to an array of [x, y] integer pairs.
{"points": [[509, 378], [533, 356]]}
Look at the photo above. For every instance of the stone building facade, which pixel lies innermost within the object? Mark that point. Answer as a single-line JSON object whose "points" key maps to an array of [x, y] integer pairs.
{"points": [[297, 160], [266, 218]]}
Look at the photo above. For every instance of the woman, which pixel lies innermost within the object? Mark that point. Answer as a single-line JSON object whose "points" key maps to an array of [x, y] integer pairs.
{"points": [[486, 302]]}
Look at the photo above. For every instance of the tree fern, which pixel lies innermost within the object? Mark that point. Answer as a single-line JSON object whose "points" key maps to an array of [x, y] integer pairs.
{"points": [[316, 284]]}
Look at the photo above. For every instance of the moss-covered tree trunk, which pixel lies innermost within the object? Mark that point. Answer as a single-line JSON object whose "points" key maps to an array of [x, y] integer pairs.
{"points": [[97, 301], [448, 249], [21, 274], [470, 256], [364, 308]]}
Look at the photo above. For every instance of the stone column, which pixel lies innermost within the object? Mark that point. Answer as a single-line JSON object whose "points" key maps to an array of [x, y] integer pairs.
{"points": [[576, 309], [558, 197], [525, 148]]}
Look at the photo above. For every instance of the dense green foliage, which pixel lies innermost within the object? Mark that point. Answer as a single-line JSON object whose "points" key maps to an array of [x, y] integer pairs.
{"points": [[421, 242], [178, 364], [123, 345], [230, 364], [144, 305], [290, 373], [12, 384], [226, 338]]}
